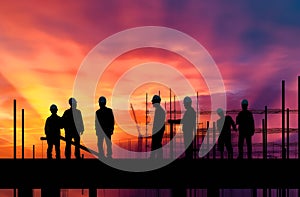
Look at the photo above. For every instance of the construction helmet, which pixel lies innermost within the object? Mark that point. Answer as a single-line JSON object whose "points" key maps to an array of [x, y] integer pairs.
{"points": [[102, 100], [72, 101], [244, 102], [187, 99], [220, 111], [156, 99], [53, 107]]}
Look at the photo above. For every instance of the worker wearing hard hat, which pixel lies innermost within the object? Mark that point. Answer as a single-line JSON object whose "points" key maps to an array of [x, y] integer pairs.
{"points": [[104, 125], [224, 125], [73, 125], [246, 128], [158, 128], [52, 128], [188, 122]]}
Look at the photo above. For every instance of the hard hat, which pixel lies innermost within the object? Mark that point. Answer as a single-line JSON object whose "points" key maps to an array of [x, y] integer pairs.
{"points": [[156, 99], [244, 102], [187, 99], [72, 100], [220, 111], [53, 107], [102, 100]]}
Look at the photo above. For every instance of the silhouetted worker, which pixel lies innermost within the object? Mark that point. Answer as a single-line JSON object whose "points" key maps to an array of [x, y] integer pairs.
{"points": [[158, 128], [73, 125], [104, 124], [188, 122], [224, 125], [245, 122], [52, 128]]}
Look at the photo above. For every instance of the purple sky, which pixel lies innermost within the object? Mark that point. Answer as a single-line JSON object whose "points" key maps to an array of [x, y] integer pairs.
{"points": [[255, 45]]}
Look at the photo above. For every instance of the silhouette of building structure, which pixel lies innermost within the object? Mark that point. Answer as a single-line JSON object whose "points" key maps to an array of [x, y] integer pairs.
{"points": [[22, 174]]}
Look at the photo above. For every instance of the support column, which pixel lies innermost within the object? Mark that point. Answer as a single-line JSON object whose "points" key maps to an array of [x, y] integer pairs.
{"points": [[214, 140], [288, 133], [266, 134], [207, 138], [263, 137], [23, 133], [25, 192], [92, 192], [171, 128], [50, 191], [283, 151], [179, 192], [15, 129], [299, 117]]}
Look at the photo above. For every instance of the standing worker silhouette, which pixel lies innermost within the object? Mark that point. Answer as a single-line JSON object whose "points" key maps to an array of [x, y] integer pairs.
{"points": [[52, 128], [224, 125], [188, 122], [104, 124], [73, 125], [158, 128], [246, 127]]}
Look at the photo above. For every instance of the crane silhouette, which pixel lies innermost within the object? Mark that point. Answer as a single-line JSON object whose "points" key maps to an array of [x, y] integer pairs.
{"points": [[140, 136], [136, 122]]}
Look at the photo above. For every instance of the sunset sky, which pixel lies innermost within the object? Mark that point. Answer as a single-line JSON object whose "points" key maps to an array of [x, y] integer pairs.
{"points": [[254, 44]]}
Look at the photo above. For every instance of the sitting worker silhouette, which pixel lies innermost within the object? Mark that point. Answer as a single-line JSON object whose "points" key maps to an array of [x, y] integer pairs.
{"points": [[224, 125], [52, 128]]}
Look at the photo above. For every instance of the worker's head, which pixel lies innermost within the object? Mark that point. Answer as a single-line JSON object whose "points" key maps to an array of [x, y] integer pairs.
{"points": [[155, 99], [53, 109], [220, 112], [244, 104], [73, 102], [102, 101], [187, 102]]}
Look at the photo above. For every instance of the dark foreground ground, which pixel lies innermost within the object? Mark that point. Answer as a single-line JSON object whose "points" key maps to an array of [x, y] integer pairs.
{"points": [[200, 173]]}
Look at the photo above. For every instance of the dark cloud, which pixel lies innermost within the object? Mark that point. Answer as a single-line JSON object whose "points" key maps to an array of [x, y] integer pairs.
{"points": [[256, 40], [175, 6], [282, 13]]}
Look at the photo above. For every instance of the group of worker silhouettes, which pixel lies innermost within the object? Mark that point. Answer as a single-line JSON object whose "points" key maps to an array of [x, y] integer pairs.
{"points": [[225, 123], [246, 128], [71, 121]]}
